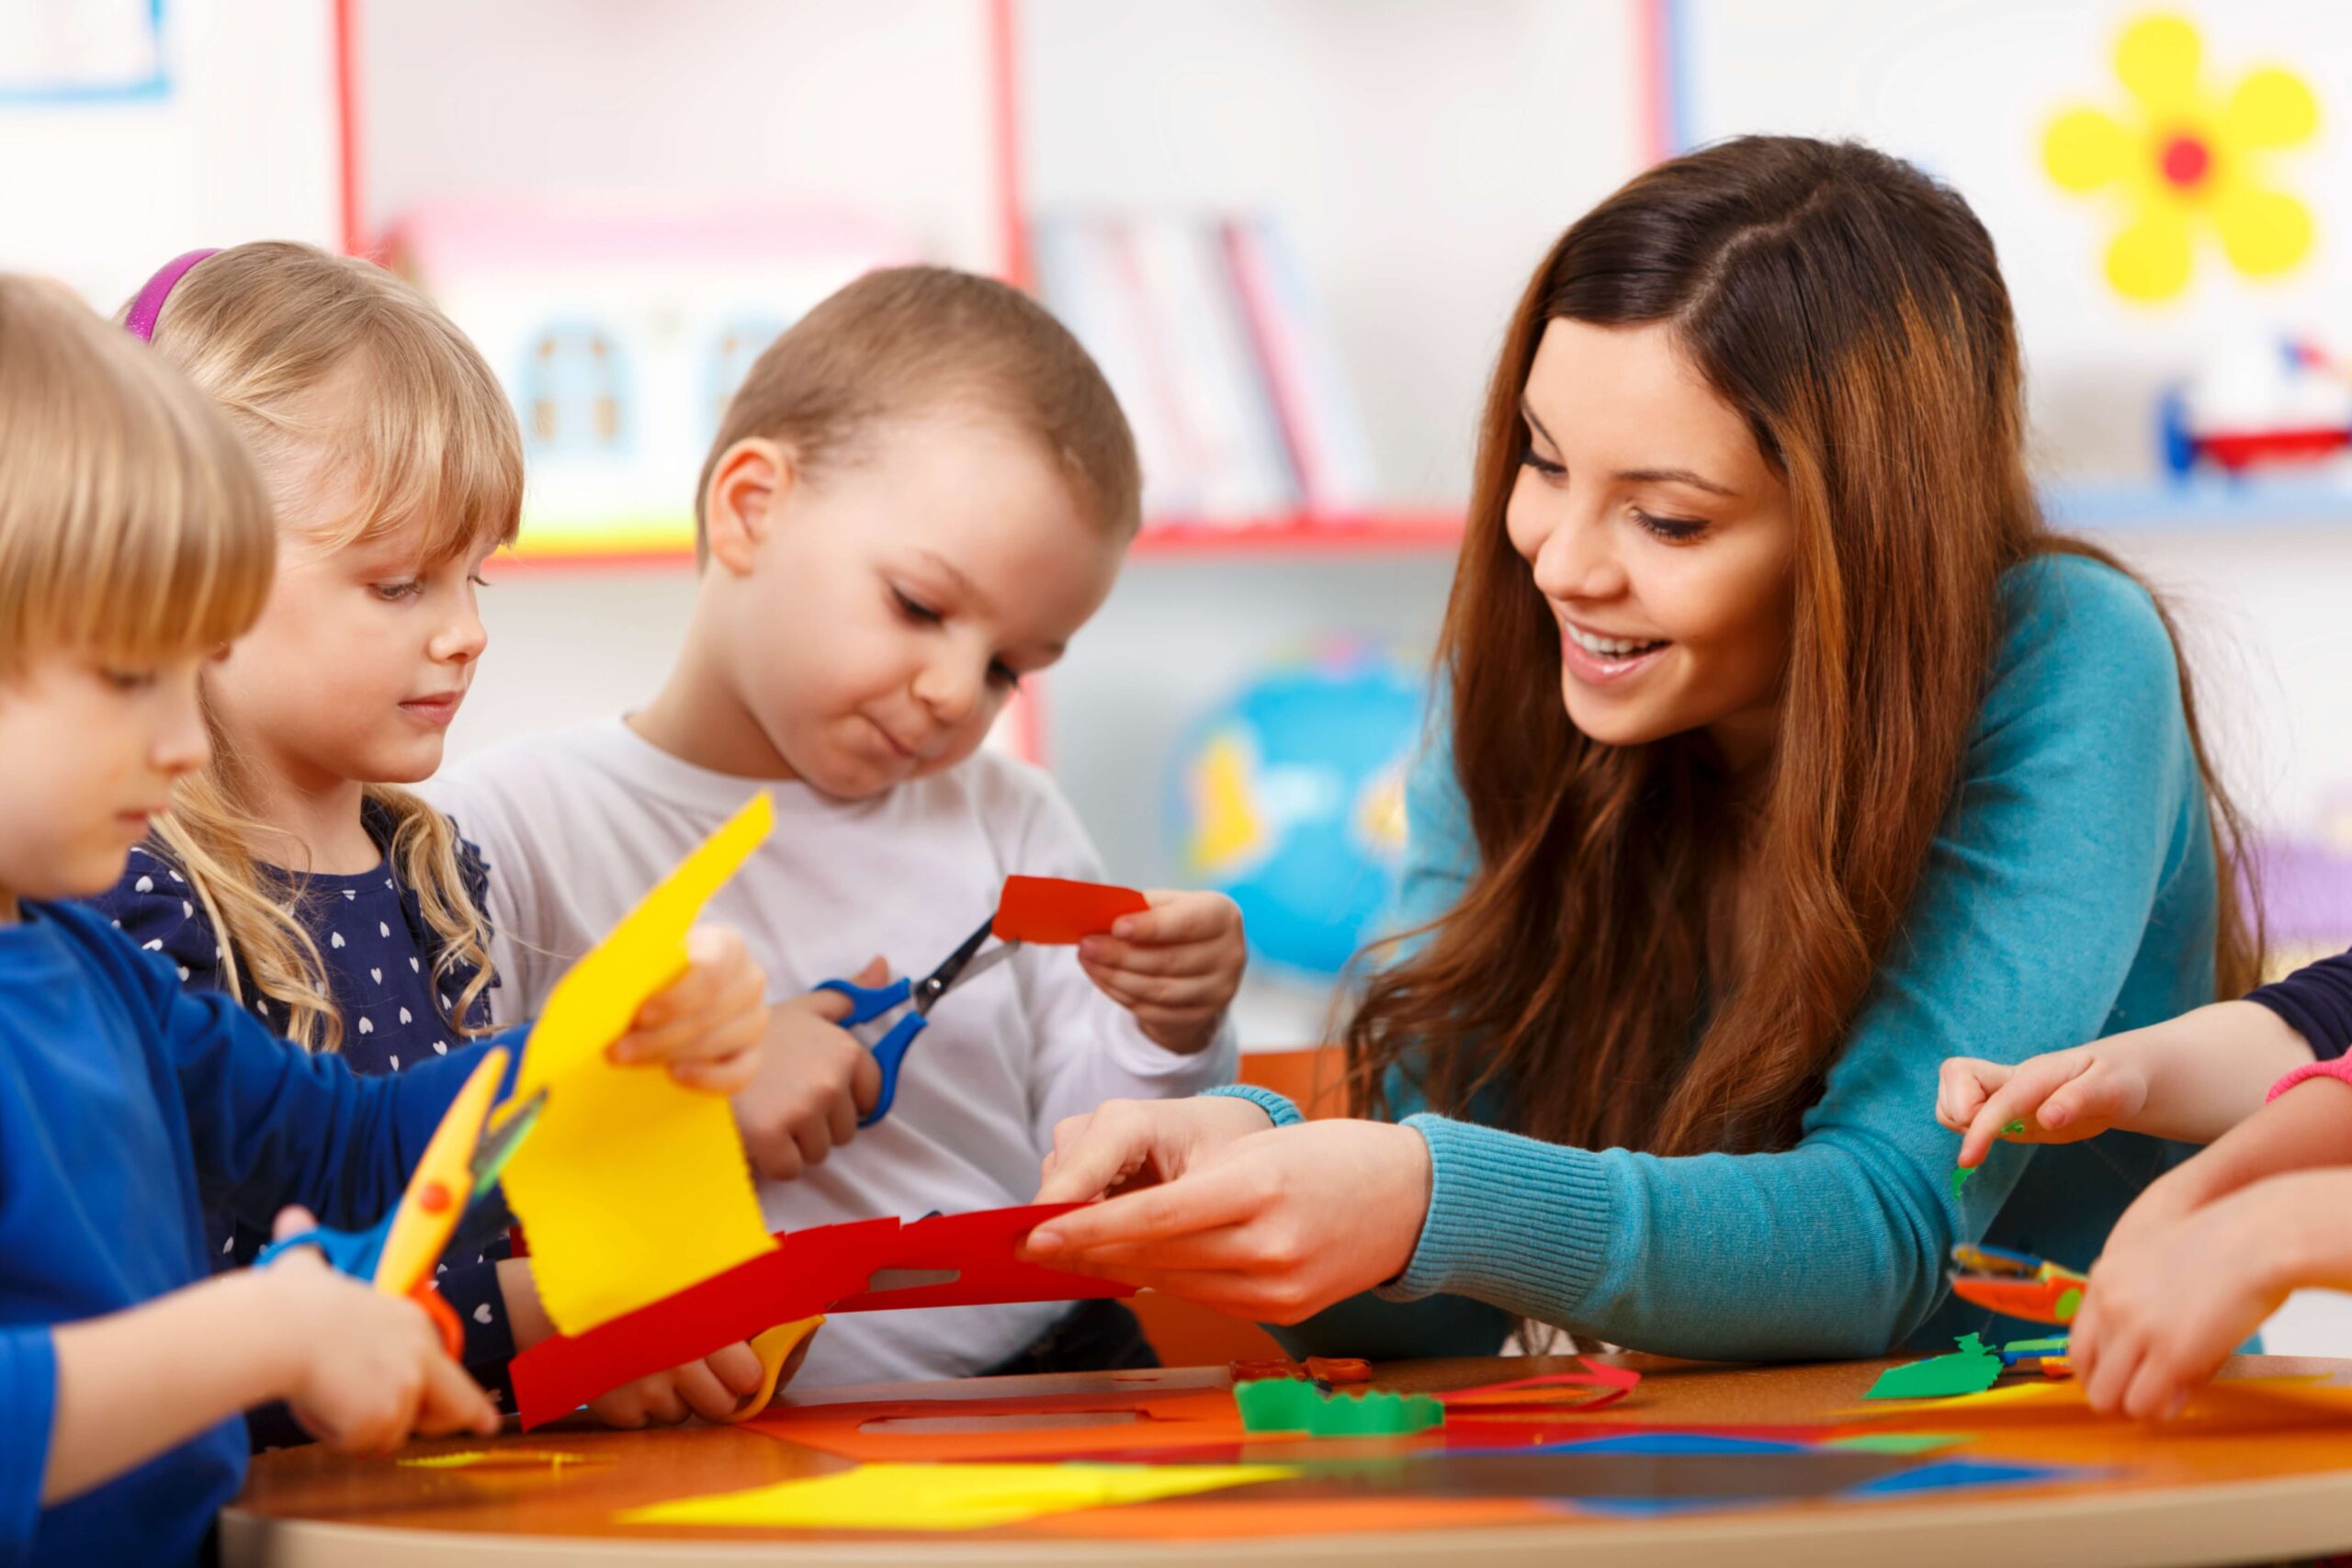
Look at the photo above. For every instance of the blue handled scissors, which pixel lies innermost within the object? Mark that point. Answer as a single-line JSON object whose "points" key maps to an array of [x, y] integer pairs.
{"points": [[872, 1004]]}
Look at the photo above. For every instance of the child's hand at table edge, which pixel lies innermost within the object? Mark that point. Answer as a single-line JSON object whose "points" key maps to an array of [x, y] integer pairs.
{"points": [[706, 1024], [1175, 966], [362, 1370]]}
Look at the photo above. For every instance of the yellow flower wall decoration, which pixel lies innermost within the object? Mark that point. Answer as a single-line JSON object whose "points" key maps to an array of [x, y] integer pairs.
{"points": [[2189, 157]]}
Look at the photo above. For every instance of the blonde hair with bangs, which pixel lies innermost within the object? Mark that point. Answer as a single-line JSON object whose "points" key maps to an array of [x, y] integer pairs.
{"points": [[133, 523], [262, 329]]}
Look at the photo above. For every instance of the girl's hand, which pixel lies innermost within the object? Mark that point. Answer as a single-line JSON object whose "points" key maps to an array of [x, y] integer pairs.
{"points": [[2169, 1301], [1124, 1144], [710, 1388], [1275, 1226], [362, 1370], [2060, 1097], [1175, 966], [708, 1022]]}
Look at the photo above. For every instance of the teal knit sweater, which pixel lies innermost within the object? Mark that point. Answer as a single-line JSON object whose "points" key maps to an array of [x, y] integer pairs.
{"points": [[2070, 894]]}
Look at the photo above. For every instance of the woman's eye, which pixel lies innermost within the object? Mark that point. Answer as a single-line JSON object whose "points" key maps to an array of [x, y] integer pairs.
{"points": [[478, 579], [914, 610], [1673, 530], [1530, 457]]}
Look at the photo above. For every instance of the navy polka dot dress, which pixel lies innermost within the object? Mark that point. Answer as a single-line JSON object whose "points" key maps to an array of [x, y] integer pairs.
{"points": [[379, 954]]}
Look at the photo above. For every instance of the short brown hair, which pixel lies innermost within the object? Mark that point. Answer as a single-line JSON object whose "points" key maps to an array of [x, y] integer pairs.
{"points": [[907, 339]]}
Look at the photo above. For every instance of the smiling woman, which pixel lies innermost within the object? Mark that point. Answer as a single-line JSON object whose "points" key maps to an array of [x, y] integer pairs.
{"points": [[1780, 736]]}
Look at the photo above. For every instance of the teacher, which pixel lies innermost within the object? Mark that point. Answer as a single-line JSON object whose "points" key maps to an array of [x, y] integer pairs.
{"points": [[1783, 753]]}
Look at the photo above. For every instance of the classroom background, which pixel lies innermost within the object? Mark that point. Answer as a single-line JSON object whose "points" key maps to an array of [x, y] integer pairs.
{"points": [[1291, 230]]}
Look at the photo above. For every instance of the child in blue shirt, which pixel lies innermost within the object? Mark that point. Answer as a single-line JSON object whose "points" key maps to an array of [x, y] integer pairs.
{"points": [[134, 543]]}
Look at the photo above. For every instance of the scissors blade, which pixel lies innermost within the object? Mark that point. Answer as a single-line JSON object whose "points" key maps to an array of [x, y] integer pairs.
{"points": [[956, 965], [499, 1144]]}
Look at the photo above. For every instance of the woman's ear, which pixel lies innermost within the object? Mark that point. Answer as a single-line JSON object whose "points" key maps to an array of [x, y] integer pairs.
{"points": [[747, 490]]}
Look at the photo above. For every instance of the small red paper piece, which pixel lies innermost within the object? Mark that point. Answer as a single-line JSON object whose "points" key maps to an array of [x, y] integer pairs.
{"points": [[822, 1269], [1613, 1383], [1049, 911]]}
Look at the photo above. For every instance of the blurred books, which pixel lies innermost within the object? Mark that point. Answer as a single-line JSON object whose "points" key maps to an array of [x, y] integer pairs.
{"points": [[1216, 346]]}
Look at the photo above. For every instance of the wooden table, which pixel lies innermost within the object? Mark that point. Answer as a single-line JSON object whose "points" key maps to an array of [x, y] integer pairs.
{"points": [[2214, 1497]]}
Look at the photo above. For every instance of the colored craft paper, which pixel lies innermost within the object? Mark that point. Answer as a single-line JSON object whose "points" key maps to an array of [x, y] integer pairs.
{"points": [[1281, 1404], [779, 1347], [499, 1458], [1972, 1368], [948, 1497], [825, 1268], [1047, 909], [422, 1225], [1897, 1443], [632, 1187], [1573, 1390]]}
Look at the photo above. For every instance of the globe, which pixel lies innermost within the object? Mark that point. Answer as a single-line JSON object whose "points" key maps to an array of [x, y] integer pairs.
{"points": [[1289, 797]]}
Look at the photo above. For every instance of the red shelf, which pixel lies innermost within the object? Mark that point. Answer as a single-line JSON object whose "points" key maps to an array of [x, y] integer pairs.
{"points": [[1304, 534]]}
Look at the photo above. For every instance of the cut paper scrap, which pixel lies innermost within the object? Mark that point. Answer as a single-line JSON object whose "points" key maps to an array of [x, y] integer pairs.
{"points": [[2273, 1404], [947, 1497], [1598, 1384], [1972, 1368], [1897, 1443], [1283, 1404], [781, 1351], [822, 1269], [1052, 911], [632, 1187], [500, 1459], [1960, 1173]]}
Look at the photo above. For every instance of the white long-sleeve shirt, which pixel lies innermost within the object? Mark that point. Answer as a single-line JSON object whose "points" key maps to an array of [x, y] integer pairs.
{"points": [[577, 825]]}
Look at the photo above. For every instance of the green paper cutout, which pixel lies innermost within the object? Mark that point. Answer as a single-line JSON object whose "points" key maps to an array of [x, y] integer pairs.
{"points": [[1284, 1404], [1960, 1173], [1898, 1442], [1972, 1368]]}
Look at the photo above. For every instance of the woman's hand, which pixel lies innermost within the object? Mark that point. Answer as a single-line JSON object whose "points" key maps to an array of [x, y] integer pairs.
{"points": [[1124, 1144], [1273, 1226]]}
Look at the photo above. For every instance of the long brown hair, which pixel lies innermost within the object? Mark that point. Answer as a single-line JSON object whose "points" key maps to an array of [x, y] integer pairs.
{"points": [[1851, 309]]}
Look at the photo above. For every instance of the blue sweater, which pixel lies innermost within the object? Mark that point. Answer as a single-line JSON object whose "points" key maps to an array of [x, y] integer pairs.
{"points": [[2070, 894], [128, 1108]]}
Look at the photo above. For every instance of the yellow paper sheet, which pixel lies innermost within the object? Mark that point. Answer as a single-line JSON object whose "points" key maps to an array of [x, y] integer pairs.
{"points": [[498, 1458], [948, 1497], [631, 1188]]}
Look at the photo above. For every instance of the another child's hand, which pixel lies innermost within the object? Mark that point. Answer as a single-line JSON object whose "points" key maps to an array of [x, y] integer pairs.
{"points": [[2168, 1302], [1176, 965], [711, 1388], [707, 1023], [2060, 1097], [815, 1080], [365, 1369]]}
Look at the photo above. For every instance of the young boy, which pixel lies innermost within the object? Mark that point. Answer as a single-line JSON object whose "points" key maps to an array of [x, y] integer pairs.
{"points": [[135, 541], [920, 493]]}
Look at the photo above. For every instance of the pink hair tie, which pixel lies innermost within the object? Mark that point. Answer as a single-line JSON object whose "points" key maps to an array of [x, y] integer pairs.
{"points": [[140, 319]]}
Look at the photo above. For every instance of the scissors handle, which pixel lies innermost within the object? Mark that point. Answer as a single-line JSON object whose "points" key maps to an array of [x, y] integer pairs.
{"points": [[888, 1053], [355, 1253], [867, 1003]]}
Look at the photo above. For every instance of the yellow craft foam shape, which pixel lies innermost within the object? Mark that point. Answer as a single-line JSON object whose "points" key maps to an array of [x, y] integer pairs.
{"points": [[948, 1497]]}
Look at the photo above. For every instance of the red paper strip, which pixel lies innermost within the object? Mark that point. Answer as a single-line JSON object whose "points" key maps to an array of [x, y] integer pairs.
{"points": [[1050, 910], [1613, 1383], [825, 1268]]}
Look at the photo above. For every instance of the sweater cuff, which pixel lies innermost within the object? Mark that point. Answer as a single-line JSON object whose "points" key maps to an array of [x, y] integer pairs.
{"points": [[1274, 1105], [2337, 1068], [1512, 1220], [28, 1382]]}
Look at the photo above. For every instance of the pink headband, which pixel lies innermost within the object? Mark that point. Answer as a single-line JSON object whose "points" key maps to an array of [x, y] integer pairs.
{"points": [[140, 319]]}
